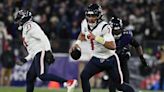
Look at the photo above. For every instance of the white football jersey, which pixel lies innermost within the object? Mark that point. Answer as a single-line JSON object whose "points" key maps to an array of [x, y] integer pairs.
{"points": [[101, 29], [34, 39]]}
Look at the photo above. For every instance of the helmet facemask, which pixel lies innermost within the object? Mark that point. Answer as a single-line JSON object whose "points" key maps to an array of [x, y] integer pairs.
{"points": [[117, 27], [117, 32], [93, 14], [21, 17]]}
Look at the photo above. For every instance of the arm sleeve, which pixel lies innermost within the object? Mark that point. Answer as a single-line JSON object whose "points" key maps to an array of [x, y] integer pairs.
{"points": [[107, 33], [83, 26], [134, 43]]}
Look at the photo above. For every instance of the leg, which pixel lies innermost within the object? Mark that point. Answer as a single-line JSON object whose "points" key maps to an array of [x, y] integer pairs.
{"points": [[125, 71], [112, 87], [161, 77], [115, 74], [41, 68], [2, 76], [8, 75], [30, 78], [90, 69]]}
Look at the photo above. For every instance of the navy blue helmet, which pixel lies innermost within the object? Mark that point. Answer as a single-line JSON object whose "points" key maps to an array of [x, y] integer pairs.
{"points": [[22, 16], [116, 23], [94, 10]]}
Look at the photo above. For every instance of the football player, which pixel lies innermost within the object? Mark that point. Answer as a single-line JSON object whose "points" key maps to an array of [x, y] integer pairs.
{"points": [[123, 39], [39, 51], [96, 31]]}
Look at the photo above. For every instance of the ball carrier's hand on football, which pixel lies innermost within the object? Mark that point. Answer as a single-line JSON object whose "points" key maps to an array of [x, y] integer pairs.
{"points": [[74, 47], [75, 52]]}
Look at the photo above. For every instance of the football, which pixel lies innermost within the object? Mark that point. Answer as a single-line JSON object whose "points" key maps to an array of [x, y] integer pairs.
{"points": [[76, 53]]}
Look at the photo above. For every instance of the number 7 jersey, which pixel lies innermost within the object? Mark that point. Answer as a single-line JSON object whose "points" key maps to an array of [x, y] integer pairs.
{"points": [[34, 39], [101, 29]]}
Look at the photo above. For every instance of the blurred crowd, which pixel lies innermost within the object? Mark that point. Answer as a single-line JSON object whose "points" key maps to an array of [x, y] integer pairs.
{"points": [[60, 19]]}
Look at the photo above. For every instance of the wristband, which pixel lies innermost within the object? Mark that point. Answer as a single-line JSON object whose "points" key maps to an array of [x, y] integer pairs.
{"points": [[100, 39]]}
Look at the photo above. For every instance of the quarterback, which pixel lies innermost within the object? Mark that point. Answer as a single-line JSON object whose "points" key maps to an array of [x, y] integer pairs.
{"points": [[96, 31]]}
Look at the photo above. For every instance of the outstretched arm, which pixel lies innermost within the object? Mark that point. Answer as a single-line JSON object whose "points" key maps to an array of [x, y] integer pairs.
{"points": [[139, 50], [80, 38]]}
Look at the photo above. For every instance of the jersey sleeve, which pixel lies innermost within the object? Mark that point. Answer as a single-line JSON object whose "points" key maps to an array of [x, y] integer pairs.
{"points": [[83, 26], [107, 33]]}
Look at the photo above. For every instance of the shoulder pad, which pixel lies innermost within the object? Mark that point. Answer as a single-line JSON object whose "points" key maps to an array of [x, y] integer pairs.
{"points": [[127, 32]]}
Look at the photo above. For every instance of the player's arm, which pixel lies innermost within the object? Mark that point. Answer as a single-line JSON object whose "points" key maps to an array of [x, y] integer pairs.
{"points": [[139, 50], [80, 38], [21, 61], [110, 44], [107, 39]]}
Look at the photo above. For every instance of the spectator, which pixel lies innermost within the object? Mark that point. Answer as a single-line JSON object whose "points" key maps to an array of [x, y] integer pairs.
{"points": [[3, 36], [8, 63], [161, 67], [75, 30]]}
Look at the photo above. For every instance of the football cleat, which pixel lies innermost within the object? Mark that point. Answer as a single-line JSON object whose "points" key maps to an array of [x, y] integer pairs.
{"points": [[71, 84]]}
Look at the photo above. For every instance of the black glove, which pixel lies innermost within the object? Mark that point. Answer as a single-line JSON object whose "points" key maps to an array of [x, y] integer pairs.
{"points": [[146, 67], [21, 61], [143, 61], [123, 53], [49, 58]]}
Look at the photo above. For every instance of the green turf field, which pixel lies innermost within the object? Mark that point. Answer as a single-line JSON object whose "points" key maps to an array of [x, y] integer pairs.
{"points": [[15, 89]]}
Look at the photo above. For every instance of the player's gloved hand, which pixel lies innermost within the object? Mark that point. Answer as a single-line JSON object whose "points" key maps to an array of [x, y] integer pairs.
{"points": [[143, 61], [123, 53], [21, 61], [144, 64], [49, 58]]}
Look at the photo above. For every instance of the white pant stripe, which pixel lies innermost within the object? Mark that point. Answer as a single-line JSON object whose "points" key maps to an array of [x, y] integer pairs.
{"points": [[119, 68], [42, 62]]}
